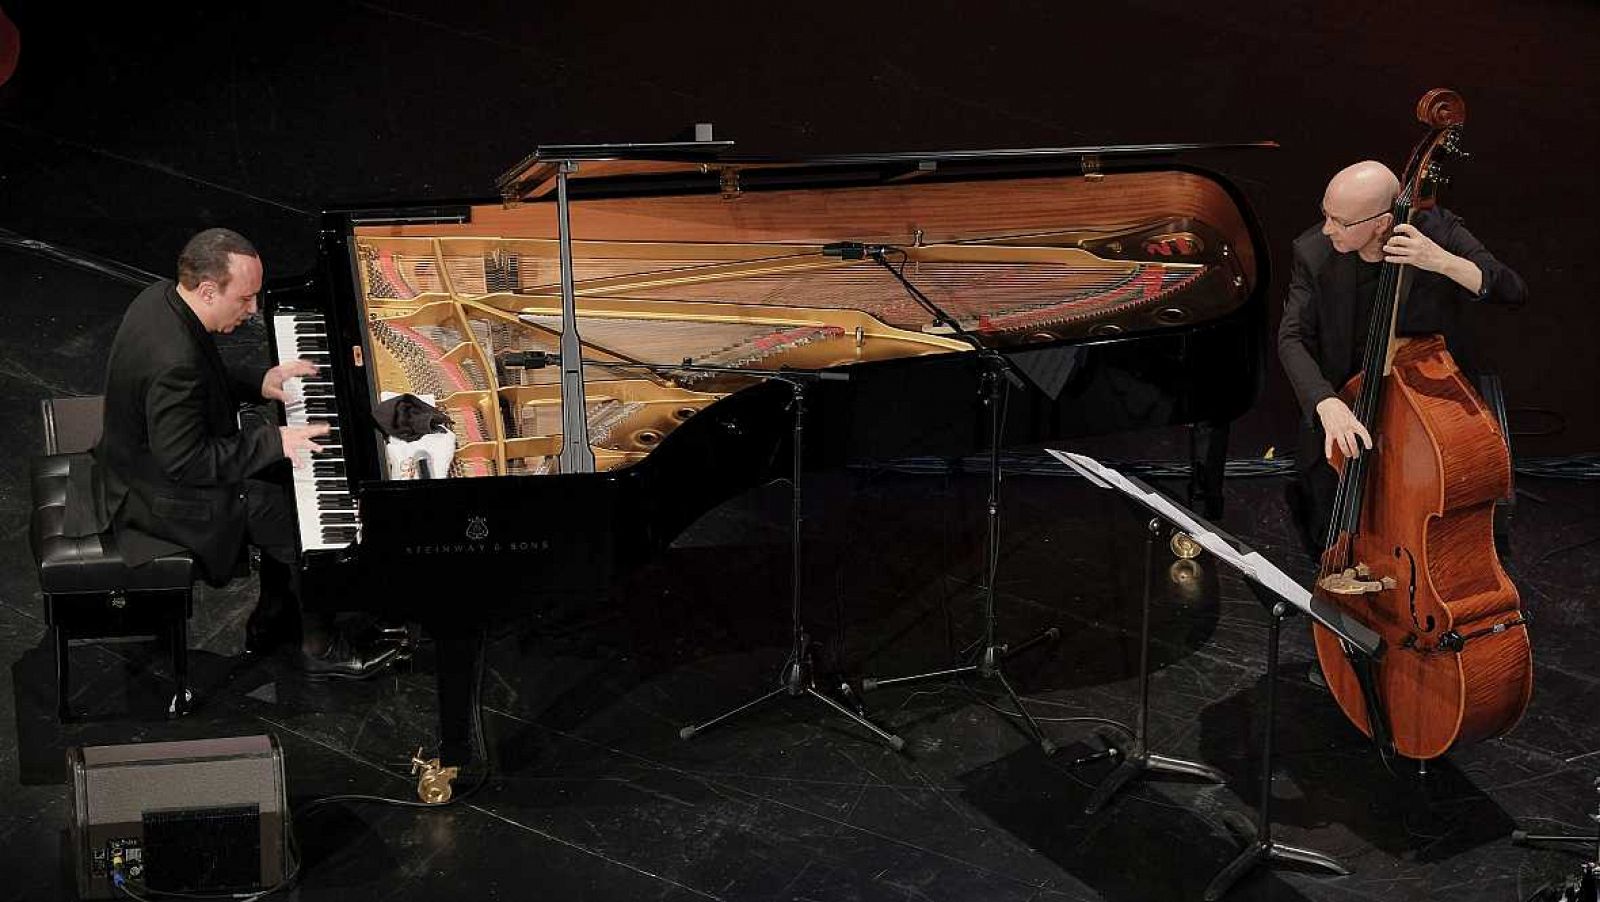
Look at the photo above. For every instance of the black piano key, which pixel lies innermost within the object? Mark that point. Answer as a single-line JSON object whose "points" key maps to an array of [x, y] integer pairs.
{"points": [[338, 535]]}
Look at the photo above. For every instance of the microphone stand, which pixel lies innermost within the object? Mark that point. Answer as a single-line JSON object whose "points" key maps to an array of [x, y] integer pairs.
{"points": [[997, 374], [799, 671]]}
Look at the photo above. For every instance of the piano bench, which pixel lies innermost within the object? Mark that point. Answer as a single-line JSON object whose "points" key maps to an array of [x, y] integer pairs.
{"points": [[90, 594]]}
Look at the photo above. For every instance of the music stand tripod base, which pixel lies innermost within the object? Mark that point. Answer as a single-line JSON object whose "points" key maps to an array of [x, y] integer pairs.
{"points": [[1136, 758], [1261, 847]]}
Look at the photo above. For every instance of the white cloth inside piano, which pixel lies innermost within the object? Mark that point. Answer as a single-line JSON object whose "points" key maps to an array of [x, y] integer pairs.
{"points": [[406, 459]]}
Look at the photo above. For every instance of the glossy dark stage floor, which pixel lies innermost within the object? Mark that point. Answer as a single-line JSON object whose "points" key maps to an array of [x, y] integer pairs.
{"points": [[594, 796]]}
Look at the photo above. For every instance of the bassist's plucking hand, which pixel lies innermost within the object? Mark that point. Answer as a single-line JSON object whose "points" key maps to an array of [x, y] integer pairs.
{"points": [[1340, 427]]}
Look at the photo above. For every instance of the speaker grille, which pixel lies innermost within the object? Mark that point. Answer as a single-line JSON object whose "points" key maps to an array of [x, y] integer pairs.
{"points": [[207, 849]]}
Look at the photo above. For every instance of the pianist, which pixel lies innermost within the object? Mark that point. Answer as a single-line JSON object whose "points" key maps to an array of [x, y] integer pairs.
{"points": [[174, 469], [1331, 291]]}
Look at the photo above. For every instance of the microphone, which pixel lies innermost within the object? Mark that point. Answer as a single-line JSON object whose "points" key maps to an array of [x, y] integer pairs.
{"points": [[531, 360], [855, 250]]}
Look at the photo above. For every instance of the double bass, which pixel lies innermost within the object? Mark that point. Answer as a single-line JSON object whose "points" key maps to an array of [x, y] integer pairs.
{"points": [[1410, 548]]}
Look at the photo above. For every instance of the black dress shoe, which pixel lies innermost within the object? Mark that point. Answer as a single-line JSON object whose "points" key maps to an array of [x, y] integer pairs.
{"points": [[343, 661]]}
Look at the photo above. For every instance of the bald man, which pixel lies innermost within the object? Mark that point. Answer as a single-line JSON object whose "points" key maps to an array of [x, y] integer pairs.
{"points": [[1331, 291]]}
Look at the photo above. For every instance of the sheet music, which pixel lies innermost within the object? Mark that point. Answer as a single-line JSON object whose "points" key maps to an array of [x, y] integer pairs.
{"points": [[1251, 564]]}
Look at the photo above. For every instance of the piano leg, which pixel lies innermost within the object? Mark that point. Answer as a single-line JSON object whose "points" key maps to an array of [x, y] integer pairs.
{"points": [[1208, 456], [459, 657]]}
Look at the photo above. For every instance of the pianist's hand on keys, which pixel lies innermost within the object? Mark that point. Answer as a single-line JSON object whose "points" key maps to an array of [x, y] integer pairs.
{"points": [[274, 385], [298, 444], [284, 383]]}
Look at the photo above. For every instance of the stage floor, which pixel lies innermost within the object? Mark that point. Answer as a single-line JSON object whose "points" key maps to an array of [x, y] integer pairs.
{"points": [[594, 796]]}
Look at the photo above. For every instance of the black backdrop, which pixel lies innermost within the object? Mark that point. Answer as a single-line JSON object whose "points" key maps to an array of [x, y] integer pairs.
{"points": [[126, 129]]}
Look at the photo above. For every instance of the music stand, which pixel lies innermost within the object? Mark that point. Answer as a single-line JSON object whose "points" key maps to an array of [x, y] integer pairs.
{"points": [[998, 372], [1282, 596]]}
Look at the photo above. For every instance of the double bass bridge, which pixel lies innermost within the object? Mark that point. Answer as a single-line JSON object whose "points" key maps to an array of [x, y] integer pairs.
{"points": [[1357, 580]]}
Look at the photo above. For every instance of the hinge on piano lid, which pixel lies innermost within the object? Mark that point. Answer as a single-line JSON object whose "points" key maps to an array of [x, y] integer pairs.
{"points": [[355, 355], [1089, 163], [728, 179]]}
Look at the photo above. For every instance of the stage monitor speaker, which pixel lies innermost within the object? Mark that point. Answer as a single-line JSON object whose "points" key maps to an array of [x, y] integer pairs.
{"points": [[203, 816]]}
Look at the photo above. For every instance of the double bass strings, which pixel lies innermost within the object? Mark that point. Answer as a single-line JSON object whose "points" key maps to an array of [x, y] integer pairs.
{"points": [[1347, 500]]}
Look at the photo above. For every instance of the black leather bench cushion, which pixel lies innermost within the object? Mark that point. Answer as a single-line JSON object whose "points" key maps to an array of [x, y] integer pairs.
{"points": [[89, 563]]}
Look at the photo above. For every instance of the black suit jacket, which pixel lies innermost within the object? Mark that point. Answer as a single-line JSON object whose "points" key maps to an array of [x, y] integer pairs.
{"points": [[171, 464], [1325, 317]]}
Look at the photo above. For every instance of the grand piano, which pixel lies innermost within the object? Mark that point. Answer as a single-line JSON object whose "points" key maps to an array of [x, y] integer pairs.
{"points": [[1124, 283]]}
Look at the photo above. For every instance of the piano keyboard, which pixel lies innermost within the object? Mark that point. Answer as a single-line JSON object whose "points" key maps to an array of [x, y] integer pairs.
{"points": [[324, 508]]}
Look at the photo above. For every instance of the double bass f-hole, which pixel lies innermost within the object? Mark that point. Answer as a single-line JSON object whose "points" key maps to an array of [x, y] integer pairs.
{"points": [[1411, 591]]}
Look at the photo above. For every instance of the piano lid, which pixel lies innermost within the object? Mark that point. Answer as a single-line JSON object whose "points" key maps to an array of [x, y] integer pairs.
{"points": [[618, 166]]}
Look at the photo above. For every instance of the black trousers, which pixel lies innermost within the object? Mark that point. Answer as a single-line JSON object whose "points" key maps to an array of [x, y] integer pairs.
{"points": [[1311, 494], [271, 528]]}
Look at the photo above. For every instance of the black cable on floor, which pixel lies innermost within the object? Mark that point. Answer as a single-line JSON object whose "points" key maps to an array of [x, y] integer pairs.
{"points": [[1572, 466]]}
